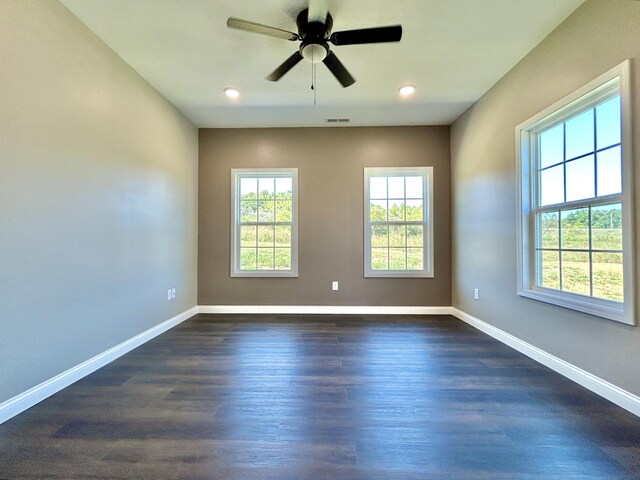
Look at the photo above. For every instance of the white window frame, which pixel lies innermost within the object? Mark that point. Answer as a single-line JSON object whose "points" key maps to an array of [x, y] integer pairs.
{"points": [[236, 175], [615, 80], [427, 222]]}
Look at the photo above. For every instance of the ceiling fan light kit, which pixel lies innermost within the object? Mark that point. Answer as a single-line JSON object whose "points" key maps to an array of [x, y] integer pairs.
{"points": [[315, 37], [314, 52]]}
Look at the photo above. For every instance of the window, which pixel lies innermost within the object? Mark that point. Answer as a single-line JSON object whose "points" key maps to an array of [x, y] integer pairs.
{"points": [[575, 216], [398, 236], [264, 235]]}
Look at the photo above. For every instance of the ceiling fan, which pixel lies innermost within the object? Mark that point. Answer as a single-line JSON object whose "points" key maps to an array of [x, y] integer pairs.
{"points": [[314, 33]]}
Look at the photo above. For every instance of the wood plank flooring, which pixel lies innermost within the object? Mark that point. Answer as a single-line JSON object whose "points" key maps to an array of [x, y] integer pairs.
{"points": [[322, 397]]}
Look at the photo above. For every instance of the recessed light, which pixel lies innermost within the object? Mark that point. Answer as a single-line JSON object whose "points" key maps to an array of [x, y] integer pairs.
{"points": [[232, 92], [407, 90]]}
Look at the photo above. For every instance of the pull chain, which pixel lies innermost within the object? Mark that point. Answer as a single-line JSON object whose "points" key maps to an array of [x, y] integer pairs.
{"points": [[313, 77], [315, 91]]}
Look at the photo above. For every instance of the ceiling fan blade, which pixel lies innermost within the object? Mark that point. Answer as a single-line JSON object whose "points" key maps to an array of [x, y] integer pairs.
{"points": [[247, 26], [392, 33], [317, 11], [338, 70], [288, 64]]}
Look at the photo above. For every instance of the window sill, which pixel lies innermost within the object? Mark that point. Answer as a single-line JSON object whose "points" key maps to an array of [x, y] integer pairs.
{"points": [[265, 274], [398, 274], [600, 308]]}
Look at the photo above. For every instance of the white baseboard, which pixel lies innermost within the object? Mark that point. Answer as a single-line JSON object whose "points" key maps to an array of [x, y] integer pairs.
{"points": [[611, 392], [324, 310], [31, 397]]}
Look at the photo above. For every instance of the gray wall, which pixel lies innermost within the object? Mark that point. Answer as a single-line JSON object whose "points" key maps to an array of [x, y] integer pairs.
{"points": [[598, 36], [330, 163], [98, 200]]}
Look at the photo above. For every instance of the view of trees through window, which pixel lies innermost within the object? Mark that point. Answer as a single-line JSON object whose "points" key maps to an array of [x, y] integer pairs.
{"points": [[579, 249], [396, 221], [266, 220]]}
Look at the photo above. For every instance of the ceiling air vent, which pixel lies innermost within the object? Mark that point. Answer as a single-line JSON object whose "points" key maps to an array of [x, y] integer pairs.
{"points": [[337, 120]]}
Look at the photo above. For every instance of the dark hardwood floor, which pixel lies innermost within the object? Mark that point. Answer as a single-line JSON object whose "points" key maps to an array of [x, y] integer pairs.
{"points": [[322, 397]]}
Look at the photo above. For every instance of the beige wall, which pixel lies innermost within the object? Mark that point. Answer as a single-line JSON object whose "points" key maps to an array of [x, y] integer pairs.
{"points": [[598, 36], [330, 163], [98, 200]]}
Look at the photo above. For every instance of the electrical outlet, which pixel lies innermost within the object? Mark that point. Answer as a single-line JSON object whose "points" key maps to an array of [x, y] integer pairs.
{"points": [[173, 293], [476, 294], [169, 294], [334, 285]]}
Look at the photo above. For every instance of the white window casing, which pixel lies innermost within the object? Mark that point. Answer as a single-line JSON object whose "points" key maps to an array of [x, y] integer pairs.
{"points": [[270, 212], [398, 222], [534, 202]]}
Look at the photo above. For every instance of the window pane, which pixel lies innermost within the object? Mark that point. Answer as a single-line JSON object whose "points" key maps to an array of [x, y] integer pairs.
{"points": [[414, 187], [606, 227], [284, 211], [248, 236], [549, 230], [265, 236], [396, 210], [579, 135], [284, 188], [396, 187], [283, 236], [248, 188], [248, 211], [608, 123], [609, 172], [379, 259], [581, 179], [378, 211], [414, 258], [378, 187], [265, 259], [397, 259], [415, 237], [414, 211], [607, 276], [283, 259], [379, 236], [575, 272], [397, 236], [549, 269], [248, 259], [552, 185], [552, 146], [266, 188], [575, 228], [266, 211]]}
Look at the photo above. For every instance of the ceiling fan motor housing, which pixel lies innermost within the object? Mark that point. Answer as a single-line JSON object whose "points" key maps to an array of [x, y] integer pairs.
{"points": [[314, 46]]}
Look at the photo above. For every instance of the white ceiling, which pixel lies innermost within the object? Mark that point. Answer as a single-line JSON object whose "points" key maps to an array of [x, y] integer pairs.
{"points": [[453, 50]]}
